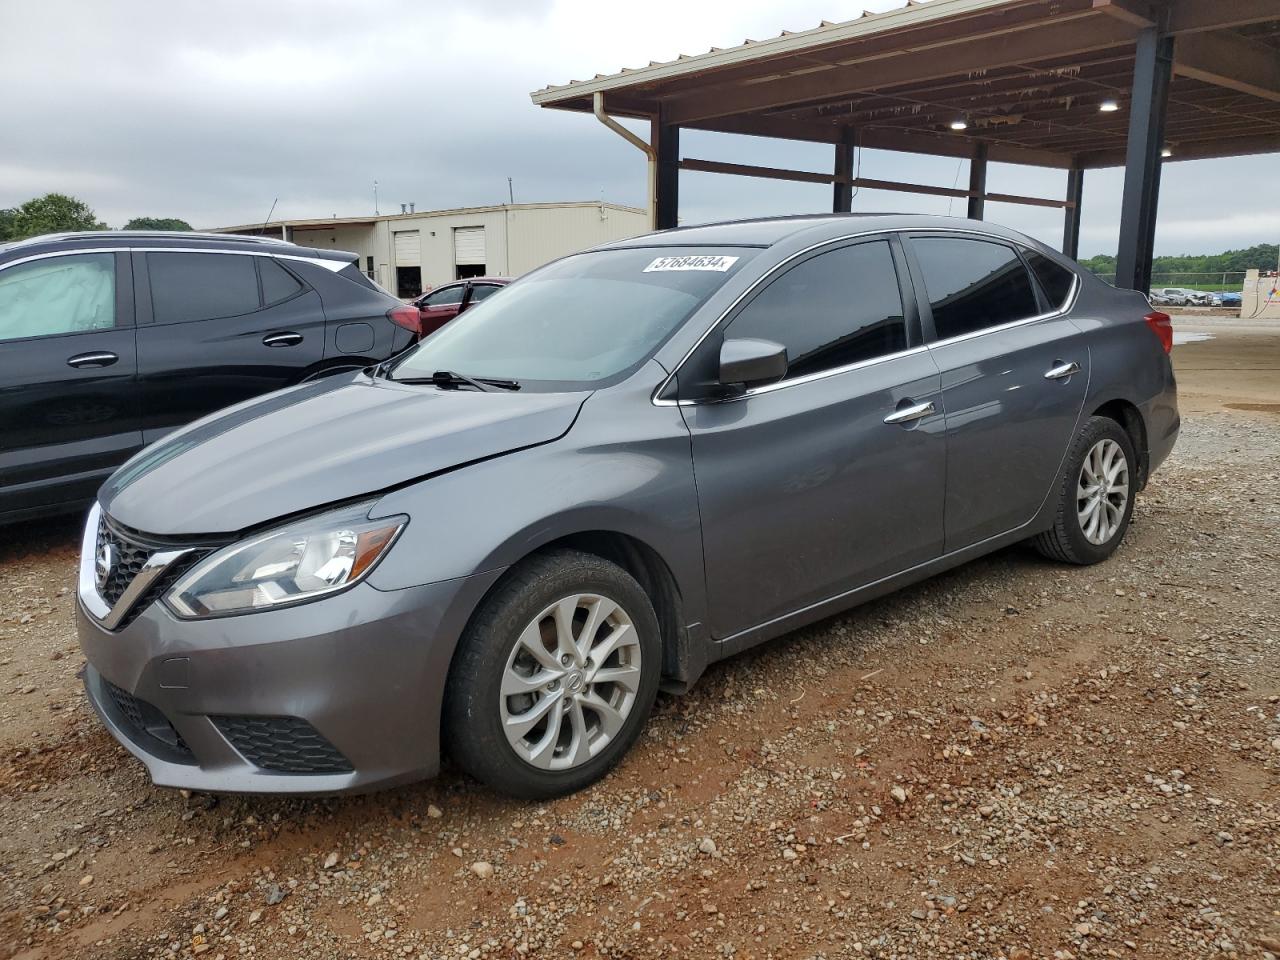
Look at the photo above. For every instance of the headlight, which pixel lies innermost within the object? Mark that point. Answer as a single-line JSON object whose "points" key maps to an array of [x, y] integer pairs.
{"points": [[301, 561]]}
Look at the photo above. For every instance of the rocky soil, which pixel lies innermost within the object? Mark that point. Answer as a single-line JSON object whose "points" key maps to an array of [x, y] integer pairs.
{"points": [[1016, 760]]}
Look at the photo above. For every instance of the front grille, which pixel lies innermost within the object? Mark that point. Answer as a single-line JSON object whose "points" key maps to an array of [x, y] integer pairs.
{"points": [[282, 744], [148, 726], [130, 557]]}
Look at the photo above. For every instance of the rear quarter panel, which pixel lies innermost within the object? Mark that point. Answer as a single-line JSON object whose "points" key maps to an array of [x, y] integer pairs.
{"points": [[1128, 362], [356, 319]]}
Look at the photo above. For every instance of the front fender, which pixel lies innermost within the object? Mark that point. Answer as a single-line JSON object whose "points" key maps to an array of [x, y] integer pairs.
{"points": [[625, 467]]}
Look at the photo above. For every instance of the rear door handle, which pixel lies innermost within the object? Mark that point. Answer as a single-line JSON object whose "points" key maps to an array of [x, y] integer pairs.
{"points": [[1062, 371], [286, 339], [102, 358], [908, 414]]}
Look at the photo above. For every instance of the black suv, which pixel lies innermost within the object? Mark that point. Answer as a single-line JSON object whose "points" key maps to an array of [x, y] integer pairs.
{"points": [[110, 340]]}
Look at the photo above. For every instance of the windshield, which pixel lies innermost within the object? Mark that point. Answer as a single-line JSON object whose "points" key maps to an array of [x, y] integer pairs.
{"points": [[578, 321]]}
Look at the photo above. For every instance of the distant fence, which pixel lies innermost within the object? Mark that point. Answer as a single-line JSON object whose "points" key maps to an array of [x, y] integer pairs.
{"points": [[1227, 280]]}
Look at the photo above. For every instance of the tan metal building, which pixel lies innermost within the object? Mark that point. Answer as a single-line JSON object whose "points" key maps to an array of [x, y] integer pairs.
{"points": [[409, 252]]}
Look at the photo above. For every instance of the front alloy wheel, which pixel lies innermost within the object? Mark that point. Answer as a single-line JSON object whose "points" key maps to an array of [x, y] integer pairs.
{"points": [[570, 682], [554, 676]]}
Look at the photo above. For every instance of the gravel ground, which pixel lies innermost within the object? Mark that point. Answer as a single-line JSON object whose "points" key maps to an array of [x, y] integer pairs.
{"points": [[1016, 760]]}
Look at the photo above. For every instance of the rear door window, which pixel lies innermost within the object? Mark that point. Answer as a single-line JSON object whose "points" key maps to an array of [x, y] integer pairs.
{"points": [[201, 286], [973, 284], [832, 310], [481, 290]]}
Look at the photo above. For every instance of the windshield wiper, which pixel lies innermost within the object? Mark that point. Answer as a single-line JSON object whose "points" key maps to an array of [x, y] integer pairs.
{"points": [[447, 378]]}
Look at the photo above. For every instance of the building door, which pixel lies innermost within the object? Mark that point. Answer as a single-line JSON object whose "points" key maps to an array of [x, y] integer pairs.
{"points": [[469, 255], [408, 256]]}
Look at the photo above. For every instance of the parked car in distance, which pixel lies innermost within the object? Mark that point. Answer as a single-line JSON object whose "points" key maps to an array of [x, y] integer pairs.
{"points": [[1158, 299], [1171, 296], [441, 304], [110, 340], [1230, 298], [496, 544]]}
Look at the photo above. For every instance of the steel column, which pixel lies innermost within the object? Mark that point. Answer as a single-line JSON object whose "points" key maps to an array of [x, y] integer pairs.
{"points": [[978, 181], [842, 192], [667, 189], [1075, 196], [1152, 67]]}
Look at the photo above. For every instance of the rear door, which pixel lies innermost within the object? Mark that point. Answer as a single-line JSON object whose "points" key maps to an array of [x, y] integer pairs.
{"points": [[216, 328], [1014, 374], [68, 401], [806, 487]]}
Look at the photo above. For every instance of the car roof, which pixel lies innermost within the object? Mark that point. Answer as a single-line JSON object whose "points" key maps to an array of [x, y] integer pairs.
{"points": [[767, 231], [165, 238]]}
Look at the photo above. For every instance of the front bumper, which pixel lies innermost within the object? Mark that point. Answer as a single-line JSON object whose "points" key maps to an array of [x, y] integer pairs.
{"points": [[338, 695]]}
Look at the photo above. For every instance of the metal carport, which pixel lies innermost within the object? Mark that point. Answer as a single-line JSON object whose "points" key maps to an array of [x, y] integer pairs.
{"points": [[1072, 84]]}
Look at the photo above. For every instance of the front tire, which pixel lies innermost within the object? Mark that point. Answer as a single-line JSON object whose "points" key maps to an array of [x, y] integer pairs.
{"points": [[1095, 496], [554, 677]]}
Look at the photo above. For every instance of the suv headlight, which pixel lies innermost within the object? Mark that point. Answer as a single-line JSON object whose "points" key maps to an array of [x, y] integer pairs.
{"points": [[297, 562]]}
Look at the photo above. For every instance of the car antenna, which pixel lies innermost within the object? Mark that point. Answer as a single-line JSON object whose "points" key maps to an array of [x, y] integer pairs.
{"points": [[263, 228]]}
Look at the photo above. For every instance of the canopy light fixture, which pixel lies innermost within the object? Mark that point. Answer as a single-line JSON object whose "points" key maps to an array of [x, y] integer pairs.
{"points": [[1108, 106], [960, 124], [1167, 152]]}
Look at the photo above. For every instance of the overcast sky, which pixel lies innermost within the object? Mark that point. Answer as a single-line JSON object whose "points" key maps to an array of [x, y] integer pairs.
{"points": [[210, 109]]}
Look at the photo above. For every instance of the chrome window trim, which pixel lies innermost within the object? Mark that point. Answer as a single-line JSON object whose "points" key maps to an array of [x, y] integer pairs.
{"points": [[903, 234], [333, 266]]}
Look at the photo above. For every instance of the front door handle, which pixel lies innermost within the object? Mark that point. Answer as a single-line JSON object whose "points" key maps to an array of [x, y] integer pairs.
{"points": [[914, 412], [1060, 371], [285, 339], [102, 358]]}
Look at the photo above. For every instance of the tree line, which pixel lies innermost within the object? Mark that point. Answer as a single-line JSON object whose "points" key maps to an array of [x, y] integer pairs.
{"points": [[59, 213], [1188, 269]]}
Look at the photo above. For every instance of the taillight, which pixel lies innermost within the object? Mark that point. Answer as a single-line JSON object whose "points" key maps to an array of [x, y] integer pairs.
{"points": [[407, 317], [1162, 325]]}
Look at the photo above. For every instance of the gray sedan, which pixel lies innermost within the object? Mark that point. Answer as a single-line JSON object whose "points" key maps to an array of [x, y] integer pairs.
{"points": [[636, 461]]}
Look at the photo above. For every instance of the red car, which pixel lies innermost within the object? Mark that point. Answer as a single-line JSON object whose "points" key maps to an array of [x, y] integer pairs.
{"points": [[437, 307]]}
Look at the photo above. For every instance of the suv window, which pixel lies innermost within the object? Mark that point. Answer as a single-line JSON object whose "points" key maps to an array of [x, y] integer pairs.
{"points": [[832, 310], [1055, 280], [56, 295], [973, 284], [277, 282], [445, 295], [201, 286]]}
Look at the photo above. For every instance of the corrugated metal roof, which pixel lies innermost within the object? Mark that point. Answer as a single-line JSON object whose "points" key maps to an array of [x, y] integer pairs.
{"points": [[912, 13]]}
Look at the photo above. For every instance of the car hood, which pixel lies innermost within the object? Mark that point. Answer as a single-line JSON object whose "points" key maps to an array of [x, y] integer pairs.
{"points": [[321, 443]]}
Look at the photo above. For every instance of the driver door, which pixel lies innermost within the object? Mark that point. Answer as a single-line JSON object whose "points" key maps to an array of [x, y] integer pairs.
{"points": [[807, 487]]}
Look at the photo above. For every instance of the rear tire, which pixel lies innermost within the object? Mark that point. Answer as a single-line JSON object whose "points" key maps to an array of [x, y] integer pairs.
{"points": [[1095, 496], [554, 676]]}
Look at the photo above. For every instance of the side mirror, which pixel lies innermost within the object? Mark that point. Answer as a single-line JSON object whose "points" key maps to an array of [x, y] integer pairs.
{"points": [[748, 362]]}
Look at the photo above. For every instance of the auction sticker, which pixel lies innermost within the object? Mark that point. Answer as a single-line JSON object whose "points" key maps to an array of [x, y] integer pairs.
{"points": [[716, 264]]}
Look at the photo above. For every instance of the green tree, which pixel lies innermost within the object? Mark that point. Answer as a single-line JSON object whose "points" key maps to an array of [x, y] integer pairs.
{"points": [[52, 213], [7, 217], [157, 223]]}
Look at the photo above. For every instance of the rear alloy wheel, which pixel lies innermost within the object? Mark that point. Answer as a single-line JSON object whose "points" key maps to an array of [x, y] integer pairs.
{"points": [[1095, 496], [554, 677], [1102, 491]]}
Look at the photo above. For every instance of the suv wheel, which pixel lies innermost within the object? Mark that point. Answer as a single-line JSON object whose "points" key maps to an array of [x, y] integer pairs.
{"points": [[554, 677], [1095, 496]]}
